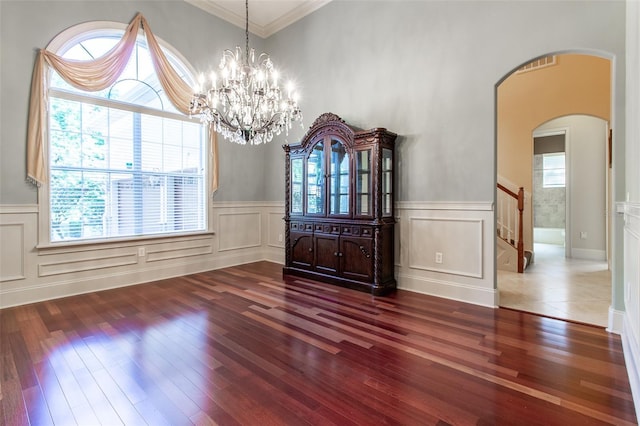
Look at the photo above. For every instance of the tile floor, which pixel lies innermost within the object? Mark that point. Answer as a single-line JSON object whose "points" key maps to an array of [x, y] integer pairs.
{"points": [[573, 289]]}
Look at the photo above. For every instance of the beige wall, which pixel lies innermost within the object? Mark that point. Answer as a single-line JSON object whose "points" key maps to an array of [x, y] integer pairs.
{"points": [[577, 84]]}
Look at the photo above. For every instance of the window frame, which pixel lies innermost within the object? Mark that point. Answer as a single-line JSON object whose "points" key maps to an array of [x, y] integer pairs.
{"points": [[59, 45]]}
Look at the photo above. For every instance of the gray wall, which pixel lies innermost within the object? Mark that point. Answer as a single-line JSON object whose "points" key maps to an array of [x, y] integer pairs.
{"points": [[427, 71], [26, 26]]}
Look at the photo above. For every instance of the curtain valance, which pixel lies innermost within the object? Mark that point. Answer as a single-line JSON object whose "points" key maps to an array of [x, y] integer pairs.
{"points": [[98, 74]]}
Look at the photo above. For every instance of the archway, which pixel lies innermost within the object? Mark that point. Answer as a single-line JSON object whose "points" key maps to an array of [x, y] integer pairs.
{"points": [[537, 92]]}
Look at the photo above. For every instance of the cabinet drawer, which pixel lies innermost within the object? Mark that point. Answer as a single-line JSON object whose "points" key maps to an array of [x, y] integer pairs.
{"points": [[321, 228], [350, 230], [366, 231], [301, 227], [334, 229]]}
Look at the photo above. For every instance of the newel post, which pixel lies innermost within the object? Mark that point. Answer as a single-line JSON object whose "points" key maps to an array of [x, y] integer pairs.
{"points": [[520, 230]]}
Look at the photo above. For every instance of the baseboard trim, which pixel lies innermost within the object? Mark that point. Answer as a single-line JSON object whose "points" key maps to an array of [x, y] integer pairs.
{"points": [[631, 350], [449, 290], [616, 321], [274, 254], [588, 254]]}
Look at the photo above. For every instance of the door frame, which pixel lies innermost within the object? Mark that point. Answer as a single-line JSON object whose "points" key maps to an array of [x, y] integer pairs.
{"points": [[567, 180]]}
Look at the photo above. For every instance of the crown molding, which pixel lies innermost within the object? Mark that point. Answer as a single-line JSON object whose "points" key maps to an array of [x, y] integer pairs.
{"points": [[305, 8], [287, 17]]}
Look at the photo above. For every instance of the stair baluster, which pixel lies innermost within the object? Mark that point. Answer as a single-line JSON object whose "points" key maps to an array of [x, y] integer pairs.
{"points": [[510, 209]]}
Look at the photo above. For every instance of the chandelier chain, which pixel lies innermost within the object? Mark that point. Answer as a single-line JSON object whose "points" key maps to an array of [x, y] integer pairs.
{"points": [[246, 29]]}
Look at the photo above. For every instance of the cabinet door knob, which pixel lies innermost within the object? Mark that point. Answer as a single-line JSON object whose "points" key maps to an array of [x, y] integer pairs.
{"points": [[310, 249], [340, 254], [335, 253]]}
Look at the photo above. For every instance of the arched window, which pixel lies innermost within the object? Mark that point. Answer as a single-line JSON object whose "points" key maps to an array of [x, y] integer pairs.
{"points": [[123, 162]]}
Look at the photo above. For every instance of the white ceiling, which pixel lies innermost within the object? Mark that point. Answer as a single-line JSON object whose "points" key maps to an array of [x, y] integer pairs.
{"points": [[266, 17]]}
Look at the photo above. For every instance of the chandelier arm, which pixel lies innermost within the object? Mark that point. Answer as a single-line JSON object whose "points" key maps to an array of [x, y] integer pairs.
{"points": [[228, 124], [266, 125], [255, 110], [236, 93]]}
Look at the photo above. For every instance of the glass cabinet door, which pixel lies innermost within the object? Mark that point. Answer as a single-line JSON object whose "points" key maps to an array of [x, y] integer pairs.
{"points": [[387, 182], [363, 183], [316, 180], [296, 185], [339, 181]]}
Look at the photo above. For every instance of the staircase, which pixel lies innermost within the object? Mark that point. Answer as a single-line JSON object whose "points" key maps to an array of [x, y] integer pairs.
{"points": [[510, 243]]}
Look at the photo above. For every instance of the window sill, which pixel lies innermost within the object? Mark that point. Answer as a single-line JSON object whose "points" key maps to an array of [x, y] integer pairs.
{"points": [[72, 246]]}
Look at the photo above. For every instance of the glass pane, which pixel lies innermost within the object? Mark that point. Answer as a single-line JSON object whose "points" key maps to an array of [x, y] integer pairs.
{"points": [[363, 183], [135, 92], [77, 204], [296, 185], [315, 180], [94, 150], [387, 181], [65, 149], [553, 170], [553, 161], [121, 126], [339, 195]]}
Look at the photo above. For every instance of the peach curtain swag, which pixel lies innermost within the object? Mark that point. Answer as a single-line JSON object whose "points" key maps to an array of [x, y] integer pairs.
{"points": [[97, 75]]}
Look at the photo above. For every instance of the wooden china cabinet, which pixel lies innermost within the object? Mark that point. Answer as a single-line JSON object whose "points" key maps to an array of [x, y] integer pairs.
{"points": [[339, 206]]}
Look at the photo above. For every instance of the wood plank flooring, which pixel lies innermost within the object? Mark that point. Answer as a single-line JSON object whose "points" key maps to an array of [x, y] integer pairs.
{"points": [[243, 346]]}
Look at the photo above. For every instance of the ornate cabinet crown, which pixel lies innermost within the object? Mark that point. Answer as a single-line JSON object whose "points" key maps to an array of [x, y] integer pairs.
{"points": [[339, 206]]}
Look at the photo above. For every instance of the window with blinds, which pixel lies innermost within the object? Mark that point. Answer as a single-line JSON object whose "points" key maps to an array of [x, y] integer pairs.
{"points": [[123, 162], [553, 170]]}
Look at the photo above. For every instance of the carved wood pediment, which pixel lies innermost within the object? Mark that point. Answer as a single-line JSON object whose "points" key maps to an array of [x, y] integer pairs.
{"points": [[328, 123], [325, 118]]}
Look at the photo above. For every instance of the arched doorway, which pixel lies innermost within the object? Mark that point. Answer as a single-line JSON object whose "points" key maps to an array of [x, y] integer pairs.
{"points": [[545, 89]]}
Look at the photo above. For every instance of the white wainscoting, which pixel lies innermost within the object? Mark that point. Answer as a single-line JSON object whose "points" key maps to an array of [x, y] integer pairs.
{"points": [[462, 233], [12, 262], [246, 232], [241, 232], [631, 329]]}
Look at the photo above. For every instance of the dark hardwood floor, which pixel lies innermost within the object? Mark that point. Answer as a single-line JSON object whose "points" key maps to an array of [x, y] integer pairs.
{"points": [[242, 346]]}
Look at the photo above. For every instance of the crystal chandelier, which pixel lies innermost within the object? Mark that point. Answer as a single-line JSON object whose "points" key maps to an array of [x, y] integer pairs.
{"points": [[244, 102]]}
